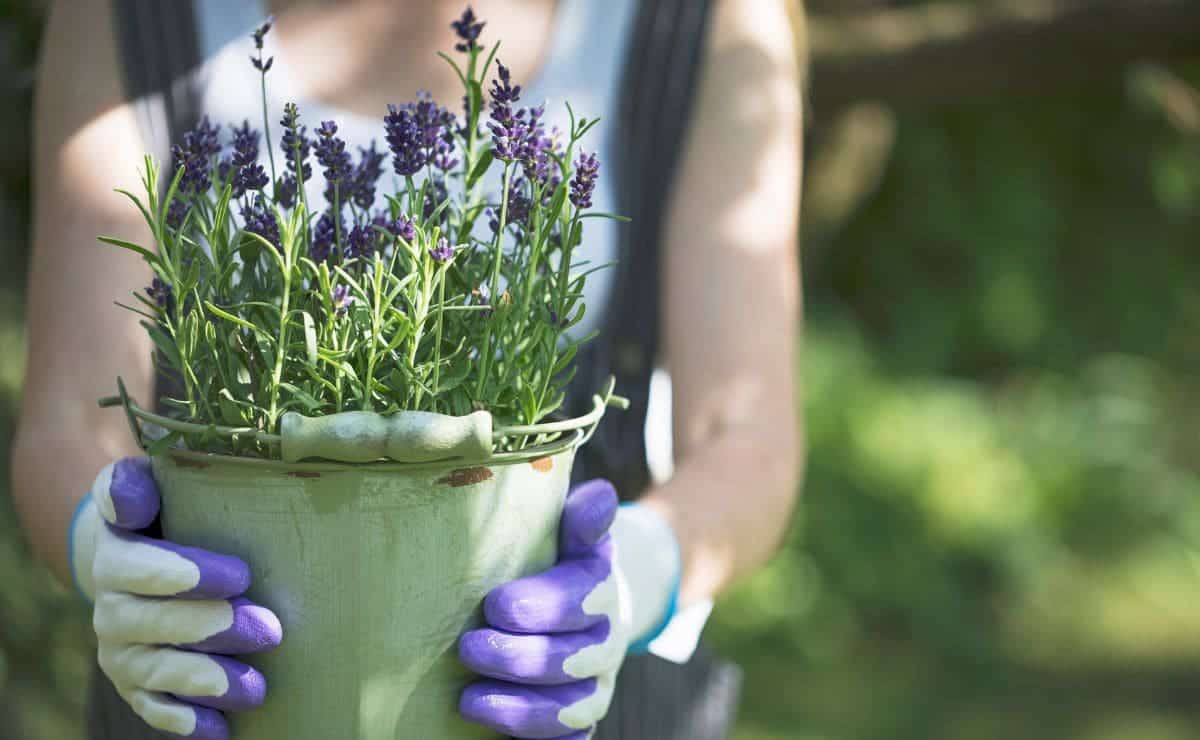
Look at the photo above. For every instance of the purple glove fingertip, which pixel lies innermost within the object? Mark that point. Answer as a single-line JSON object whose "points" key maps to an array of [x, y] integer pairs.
{"points": [[210, 725], [247, 688], [529, 659], [133, 493], [551, 601], [254, 630], [523, 711], [587, 516]]}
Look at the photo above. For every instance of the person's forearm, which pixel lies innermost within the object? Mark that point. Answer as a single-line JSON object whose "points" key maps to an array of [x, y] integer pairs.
{"points": [[51, 473], [730, 504]]}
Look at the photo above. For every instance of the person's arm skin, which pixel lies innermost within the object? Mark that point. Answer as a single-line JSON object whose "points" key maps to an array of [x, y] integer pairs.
{"points": [[732, 304], [86, 143]]}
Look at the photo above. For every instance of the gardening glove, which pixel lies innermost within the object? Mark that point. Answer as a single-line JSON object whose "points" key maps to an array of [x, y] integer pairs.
{"points": [[556, 640], [166, 616]]}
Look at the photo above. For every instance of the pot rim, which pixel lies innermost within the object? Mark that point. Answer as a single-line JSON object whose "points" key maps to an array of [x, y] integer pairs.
{"points": [[566, 444]]}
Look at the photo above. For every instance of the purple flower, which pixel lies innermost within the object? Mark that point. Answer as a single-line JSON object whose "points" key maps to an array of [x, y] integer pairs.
{"points": [[401, 227], [160, 293], [286, 191], [468, 28], [245, 145], [295, 142], [332, 154], [504, 125], [435, 195], [259, 34], [443, 252], [249, 174], [195, 154], [176, 213], [404, 139], [517, 213], [587, 169], [420, 133], [542, 167], [342, 300], [225, 170], [359, 242], [365, 175], [503, 91], [323, 236], [260, 219], [517, 134]]}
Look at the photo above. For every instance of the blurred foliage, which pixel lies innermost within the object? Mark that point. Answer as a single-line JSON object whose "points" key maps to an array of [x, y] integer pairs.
{"points": [[999, 530]]}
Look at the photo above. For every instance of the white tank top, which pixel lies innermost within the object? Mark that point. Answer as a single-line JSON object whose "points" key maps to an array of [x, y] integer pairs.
{"points": [[583, 67]]}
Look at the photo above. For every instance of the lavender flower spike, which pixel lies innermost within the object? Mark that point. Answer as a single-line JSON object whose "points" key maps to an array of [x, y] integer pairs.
{"points": [[365, 175], [332, 154], [587, 170], [468, 28], [195, 154], [295, 142], [342, 300], [359, 241], [420, 133], [259, 34], [401, 227], [323, 237], [443, 252], [260, 219], [160, 292], [250, 174]]}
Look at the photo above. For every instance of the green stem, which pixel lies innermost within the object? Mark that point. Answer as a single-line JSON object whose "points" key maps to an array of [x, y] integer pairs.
{"points": [[281, 349], [418, 335], [564, 274], [337, 223], [437, 346], [267, 123], [374, 353], [485, 360]]}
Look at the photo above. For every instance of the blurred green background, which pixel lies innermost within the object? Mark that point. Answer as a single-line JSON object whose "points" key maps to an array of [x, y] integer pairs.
{"points": [[1000, 531]]}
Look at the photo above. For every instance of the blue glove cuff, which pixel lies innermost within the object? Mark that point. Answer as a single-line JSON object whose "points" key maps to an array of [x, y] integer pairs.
{"points": [[83, 504]]}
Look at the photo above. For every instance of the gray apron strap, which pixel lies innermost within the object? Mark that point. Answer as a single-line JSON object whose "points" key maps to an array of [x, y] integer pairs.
{"points": [[661, 76], [655, 699], [159, 49]]}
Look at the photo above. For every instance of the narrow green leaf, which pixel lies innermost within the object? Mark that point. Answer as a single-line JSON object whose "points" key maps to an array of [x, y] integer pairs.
{"points": [[306, 400], [146, 254], [310, 337], [613, 216], [481, 167], [236, 320], [145, 213]]}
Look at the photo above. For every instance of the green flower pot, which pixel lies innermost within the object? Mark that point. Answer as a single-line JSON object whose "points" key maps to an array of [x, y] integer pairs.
{"points": [[374, 570]]}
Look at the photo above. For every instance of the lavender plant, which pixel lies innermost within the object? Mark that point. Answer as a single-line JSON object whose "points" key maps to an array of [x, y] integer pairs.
{"points": [[261, 305]]}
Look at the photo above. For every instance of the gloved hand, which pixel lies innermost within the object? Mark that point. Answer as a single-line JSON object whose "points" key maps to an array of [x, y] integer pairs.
{"points": [[166, 615], [556, 640]]}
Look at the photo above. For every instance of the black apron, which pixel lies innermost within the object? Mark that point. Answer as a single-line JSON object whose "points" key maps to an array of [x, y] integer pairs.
{"points": [[655, 699]]}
